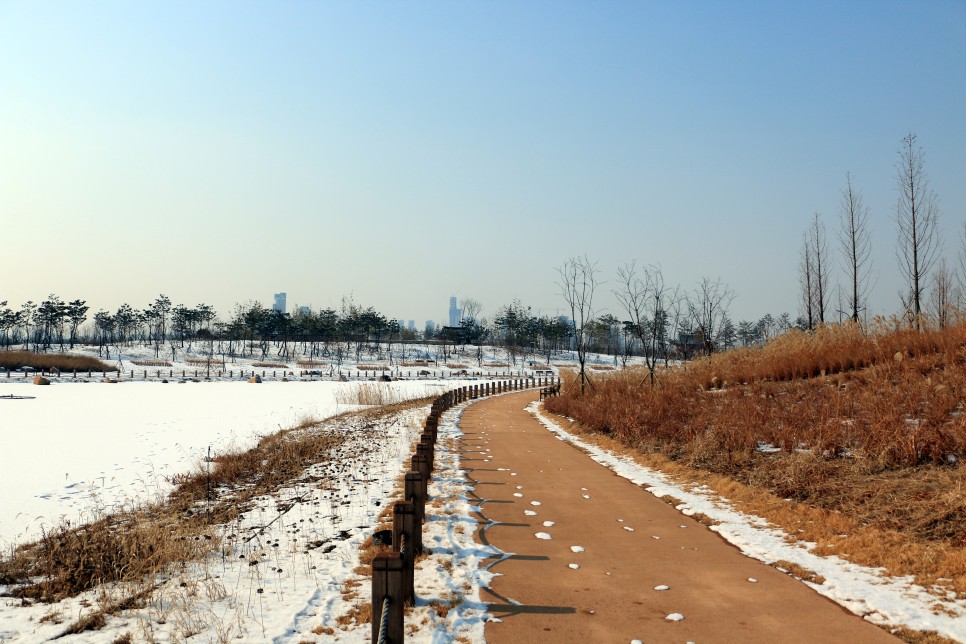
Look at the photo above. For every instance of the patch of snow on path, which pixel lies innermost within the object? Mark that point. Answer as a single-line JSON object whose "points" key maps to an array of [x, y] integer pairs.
{"points": [[892, 601]]}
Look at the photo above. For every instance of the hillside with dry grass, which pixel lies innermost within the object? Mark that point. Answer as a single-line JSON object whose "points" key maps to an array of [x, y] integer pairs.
{"points": [[860, 430]]}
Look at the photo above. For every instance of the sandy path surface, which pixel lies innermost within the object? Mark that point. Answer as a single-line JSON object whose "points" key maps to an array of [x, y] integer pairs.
{"points": [[598, 559]]}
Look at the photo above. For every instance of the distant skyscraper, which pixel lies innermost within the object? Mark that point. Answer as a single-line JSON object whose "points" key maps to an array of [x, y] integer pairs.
{"points": [[279, 302], [455, 314], [412, 325], [304, 310]]}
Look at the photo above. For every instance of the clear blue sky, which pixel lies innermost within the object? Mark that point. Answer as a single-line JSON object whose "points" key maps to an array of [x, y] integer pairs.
{"points": [[404, 152]]}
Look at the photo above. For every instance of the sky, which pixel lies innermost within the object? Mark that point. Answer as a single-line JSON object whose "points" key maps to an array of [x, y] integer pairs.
{"points": [[401, 153]]}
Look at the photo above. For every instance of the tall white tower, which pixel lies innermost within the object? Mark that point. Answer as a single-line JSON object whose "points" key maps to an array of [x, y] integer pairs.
{"points": [[279, 304], [455, 314]]}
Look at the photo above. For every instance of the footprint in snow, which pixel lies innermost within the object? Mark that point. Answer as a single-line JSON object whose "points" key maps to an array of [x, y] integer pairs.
{"points": [[674, 617], [530, 513], [574, 566], [543, 535], [535, 503], [629, 529], [517, 494], [519, 487], [583, 489], [586, 496], [576, 548], [548, 524]]}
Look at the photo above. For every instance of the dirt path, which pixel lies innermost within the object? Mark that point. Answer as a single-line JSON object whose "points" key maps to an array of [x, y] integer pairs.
{"points": [[632, 544]]}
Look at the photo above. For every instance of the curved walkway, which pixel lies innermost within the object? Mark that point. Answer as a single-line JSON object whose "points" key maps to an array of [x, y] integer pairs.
{"points": [[598, 559]]}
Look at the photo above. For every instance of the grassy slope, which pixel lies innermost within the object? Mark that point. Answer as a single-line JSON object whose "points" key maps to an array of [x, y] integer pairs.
{"points": [[870, 451]]}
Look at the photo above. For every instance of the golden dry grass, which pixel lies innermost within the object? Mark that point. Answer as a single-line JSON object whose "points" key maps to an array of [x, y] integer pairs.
{"points": [[46, 361], [270, 365], [151, 363], [868, 455]]}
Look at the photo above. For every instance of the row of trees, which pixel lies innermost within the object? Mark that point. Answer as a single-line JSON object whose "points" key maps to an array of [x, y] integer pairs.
{"points": [[931, 286]]}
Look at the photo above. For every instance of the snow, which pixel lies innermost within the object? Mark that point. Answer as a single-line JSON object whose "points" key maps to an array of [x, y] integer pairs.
{"points": [[287, 558], [543, 535], [78, 450], [881, 599], [674, 617], [576, 548]]}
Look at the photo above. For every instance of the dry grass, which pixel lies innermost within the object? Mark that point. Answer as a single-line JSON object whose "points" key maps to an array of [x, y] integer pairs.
{"points": [[456, 365], [69, 560], [270, 365], [415, 363], [10, 360], [137, 545], [202, 361], [369, 394], [311, 363], [496, 365], [372, 367], [799, 572], [151, 363], [868, 460]]}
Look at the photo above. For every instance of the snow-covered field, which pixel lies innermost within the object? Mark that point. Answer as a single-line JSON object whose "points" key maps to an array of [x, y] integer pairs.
{"points": [[75, 450], [286, 569]]}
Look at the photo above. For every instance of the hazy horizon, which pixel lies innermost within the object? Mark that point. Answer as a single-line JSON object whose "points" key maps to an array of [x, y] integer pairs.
{"points": [[403, 153]]}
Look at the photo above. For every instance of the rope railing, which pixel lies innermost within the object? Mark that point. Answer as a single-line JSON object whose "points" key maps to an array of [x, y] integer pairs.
{"points": [[384, 622]]}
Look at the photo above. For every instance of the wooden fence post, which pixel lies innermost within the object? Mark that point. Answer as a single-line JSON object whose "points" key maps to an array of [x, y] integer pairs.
{"points": [[420, 464], [415, 491], [405, 529], [426, 451], [387, 581]]}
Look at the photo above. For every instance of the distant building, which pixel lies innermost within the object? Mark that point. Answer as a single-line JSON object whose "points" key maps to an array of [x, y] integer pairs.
{"points": [[412, 325], [455, 314], [304, 310], [279, 304]]}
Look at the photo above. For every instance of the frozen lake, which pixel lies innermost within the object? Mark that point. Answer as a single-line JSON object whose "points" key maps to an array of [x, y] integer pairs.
{"points": [[77, 449]]}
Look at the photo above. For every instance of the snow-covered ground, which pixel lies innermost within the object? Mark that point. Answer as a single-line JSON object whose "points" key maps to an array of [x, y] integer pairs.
{"points": [[73, 451], [287, 562]]}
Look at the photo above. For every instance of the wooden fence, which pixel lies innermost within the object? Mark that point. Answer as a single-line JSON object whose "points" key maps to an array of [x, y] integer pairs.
{"points": [[393, 573], [242, 374]]}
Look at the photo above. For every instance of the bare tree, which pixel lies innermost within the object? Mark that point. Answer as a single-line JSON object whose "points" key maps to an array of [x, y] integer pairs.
{"points": [[917, 216], [647, 300], [806, 278], [471, 308], [578, 280], [814, 272], [943, 294], [856, 246], [708, 305], [821, 272]]}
